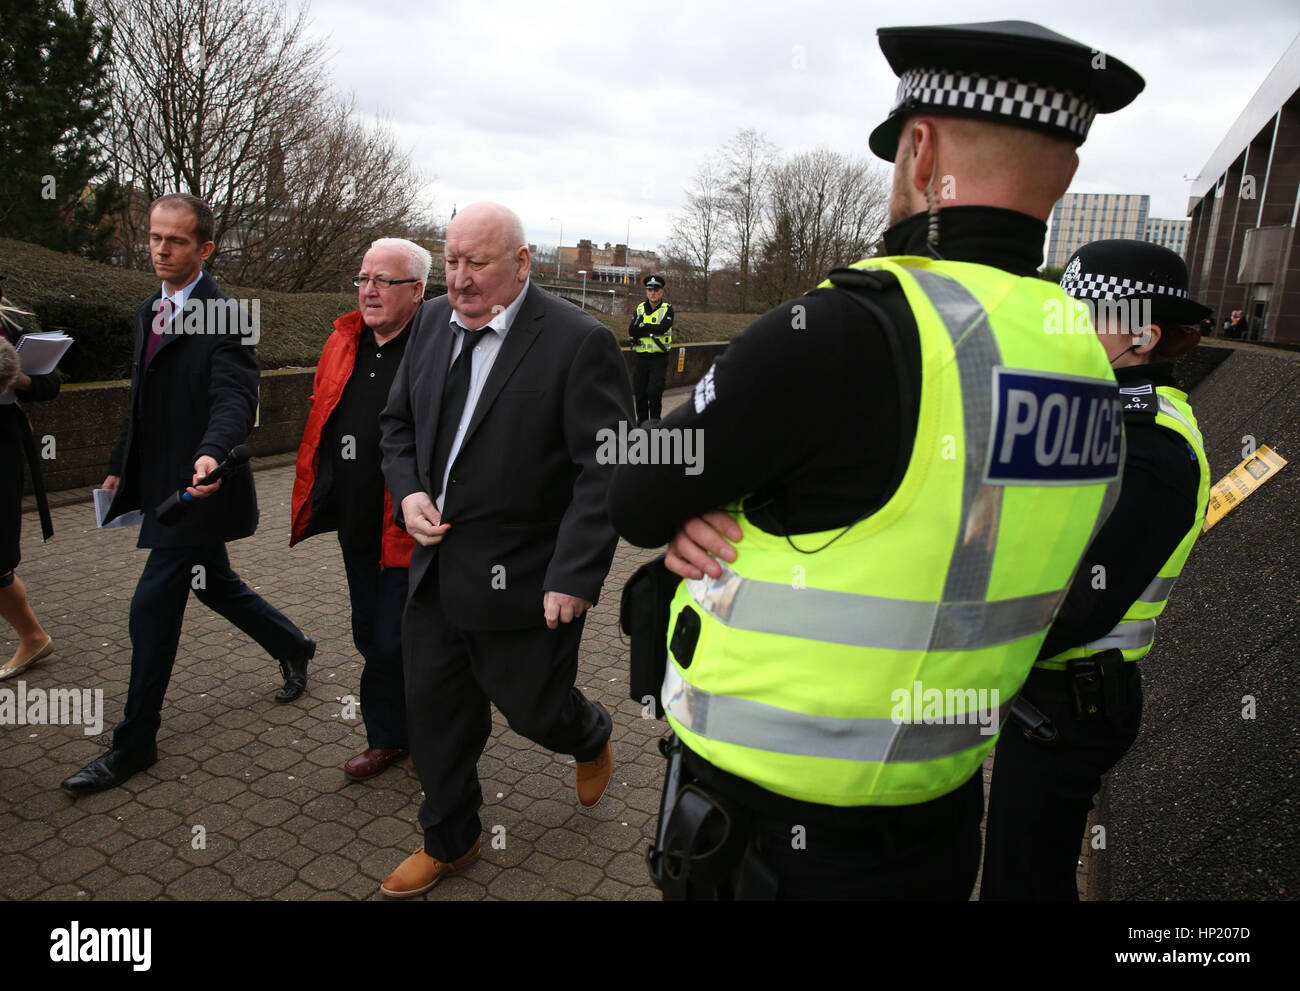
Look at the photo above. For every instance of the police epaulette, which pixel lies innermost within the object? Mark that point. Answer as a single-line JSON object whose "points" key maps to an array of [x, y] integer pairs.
{"points": [[860, 278], [1140, 401]]}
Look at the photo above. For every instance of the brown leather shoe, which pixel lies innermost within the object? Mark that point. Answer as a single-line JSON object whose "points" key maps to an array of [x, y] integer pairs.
{"points": [[419, 872], [593, 777], [370, 762]]}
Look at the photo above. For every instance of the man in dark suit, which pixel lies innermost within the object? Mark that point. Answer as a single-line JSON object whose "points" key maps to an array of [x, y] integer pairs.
{"points": [[490, 441], [193, 397]]}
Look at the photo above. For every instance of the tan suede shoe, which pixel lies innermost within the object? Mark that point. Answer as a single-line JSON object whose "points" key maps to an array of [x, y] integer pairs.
{"points": [[419, 872], [593, 777]]}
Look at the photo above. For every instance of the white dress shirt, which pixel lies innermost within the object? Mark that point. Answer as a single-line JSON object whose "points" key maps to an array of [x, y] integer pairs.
{"points": [[485, 355]]}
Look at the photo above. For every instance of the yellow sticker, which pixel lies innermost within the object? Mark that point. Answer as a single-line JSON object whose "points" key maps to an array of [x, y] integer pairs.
{"points": [[1230, 490], [681, 358]]}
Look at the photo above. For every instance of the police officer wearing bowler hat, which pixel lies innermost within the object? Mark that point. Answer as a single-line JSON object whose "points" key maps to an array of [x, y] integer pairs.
{"points": [[651, 335], [898, 530], [1085, 688]]}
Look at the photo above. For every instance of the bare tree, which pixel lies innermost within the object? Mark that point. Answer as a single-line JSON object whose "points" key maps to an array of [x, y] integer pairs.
{"points": [[229, 100], [695, 235], [823, 210], [747, 161]]}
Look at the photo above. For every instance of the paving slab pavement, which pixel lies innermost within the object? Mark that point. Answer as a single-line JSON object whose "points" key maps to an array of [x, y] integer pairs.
{"points": [[248, 799]]}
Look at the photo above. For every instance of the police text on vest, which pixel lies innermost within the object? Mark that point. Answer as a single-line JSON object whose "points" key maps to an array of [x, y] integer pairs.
{"points": [[1053, 429]]}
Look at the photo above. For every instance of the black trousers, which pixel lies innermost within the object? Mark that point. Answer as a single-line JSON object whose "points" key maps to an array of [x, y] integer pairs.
{"points": [[1041, 796], [452, 678], [378, 596], [648, 385], [922, 852], [157, 611]]}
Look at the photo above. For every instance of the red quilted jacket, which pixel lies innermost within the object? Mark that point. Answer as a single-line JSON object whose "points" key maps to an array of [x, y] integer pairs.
{"points": [[332, 374]]}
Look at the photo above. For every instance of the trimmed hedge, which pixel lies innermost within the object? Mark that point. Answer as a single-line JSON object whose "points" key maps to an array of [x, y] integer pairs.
{"points": [[96, 304]]}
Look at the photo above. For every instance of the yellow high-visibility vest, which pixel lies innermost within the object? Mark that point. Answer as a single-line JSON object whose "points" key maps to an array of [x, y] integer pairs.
{"points": [[816, 676], [652, 343], [1136, 631]]}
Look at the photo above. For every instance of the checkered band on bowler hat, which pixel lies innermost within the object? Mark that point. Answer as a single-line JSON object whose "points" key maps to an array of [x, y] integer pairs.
{"points": [[1094, 285], [995, 96], [1123, 268], [1015, 73]]}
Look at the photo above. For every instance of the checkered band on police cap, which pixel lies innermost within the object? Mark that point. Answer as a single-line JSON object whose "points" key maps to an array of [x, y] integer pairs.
{"points": [[995, 96], [1094, 285]]}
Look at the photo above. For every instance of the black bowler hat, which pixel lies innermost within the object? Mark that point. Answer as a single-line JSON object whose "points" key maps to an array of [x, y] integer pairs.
{"points": [[654, 281], [1008, 72], [1124, 269]]}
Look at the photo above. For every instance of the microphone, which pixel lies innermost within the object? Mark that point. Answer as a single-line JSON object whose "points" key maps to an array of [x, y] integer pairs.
{"points": [[172, 509]]}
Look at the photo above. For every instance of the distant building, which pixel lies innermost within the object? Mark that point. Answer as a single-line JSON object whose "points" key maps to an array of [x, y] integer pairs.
{"points": [[1171, 234], [1243, 207], [1079, 218], [612, 263]]}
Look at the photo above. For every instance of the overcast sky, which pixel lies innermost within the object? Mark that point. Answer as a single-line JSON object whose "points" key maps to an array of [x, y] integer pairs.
{"points": [[596, 113]]}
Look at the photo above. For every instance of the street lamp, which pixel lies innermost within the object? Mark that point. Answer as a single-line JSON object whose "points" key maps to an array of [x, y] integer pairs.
{"points": [[558, 249], [583, 273], [627, 238]]}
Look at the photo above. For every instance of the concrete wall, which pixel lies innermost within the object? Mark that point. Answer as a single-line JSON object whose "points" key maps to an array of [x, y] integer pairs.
{"points": [[80, 426]]}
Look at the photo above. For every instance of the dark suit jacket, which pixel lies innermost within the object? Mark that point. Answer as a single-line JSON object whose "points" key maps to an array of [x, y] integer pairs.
{"points": [[525, 497], [198, 396]]}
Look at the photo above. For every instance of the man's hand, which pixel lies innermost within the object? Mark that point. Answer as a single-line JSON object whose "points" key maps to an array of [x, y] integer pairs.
{"points": [[110, 483], [423, 521], [22, 382], [204, 466], [560, 608], [699, 537]]}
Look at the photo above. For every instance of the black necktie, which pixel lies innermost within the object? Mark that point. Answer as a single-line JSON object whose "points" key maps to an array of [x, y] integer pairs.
{"points": [[454, 394]]}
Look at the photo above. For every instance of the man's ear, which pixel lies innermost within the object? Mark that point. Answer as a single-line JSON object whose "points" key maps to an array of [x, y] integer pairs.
{"points": [[206, 249], [923, 154]]}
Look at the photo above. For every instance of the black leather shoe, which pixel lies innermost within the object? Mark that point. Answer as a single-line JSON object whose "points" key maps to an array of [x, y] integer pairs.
{"points": [[295, 673], [110, 770]]}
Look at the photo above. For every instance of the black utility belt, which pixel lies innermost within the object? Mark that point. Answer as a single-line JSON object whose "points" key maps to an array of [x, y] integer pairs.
{"points": [[1095, 683]]}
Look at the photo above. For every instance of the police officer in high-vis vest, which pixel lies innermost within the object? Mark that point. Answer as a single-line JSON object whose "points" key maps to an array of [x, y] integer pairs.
{"points": [[1085, 688], [913, 507], [651, 336]]}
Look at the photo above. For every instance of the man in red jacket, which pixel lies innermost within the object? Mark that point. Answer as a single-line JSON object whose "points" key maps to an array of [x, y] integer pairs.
{"points": [[340, 487]]}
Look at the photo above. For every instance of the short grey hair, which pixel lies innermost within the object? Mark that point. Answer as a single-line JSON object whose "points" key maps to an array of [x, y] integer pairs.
{"points": [[419, 261]]}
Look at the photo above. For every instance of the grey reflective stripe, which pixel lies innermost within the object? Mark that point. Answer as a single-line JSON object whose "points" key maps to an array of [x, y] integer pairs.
{"points": [[1128, 636], [1158, 590], [1169, 409], [964, 620], [977, 352], [868, 620], [760, 726]]}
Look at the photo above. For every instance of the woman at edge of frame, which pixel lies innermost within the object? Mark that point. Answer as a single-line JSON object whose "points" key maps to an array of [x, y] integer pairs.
{"points": [[16, 446]]}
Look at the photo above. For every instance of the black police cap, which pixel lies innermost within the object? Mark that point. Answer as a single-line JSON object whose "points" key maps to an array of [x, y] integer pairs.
{"points": [[1127, 269], [654, 281], [1009, 72]]}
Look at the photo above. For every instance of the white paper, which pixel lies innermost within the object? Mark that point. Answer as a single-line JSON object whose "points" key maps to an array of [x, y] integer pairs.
{"points": [[104, 499], [40, 353]]}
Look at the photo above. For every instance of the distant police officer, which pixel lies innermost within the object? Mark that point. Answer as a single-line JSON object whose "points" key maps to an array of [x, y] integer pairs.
{"points": [[1085, 685], [651, 334], [913, 509]]}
